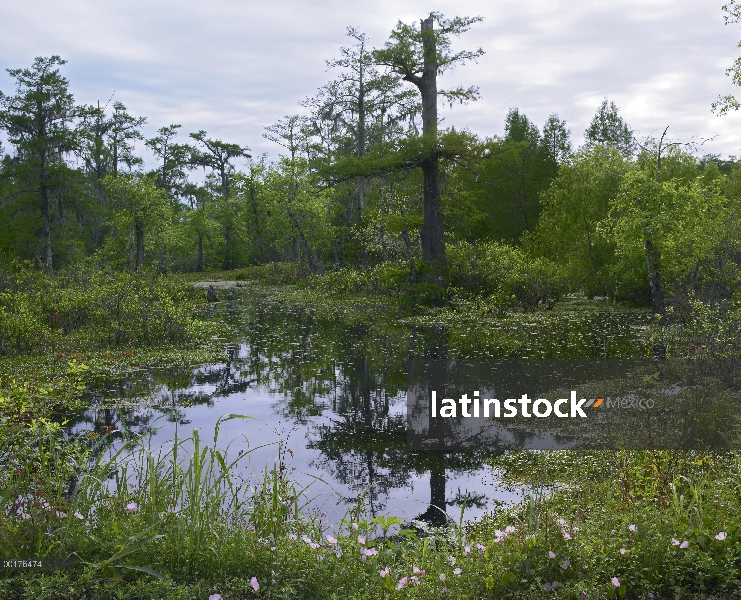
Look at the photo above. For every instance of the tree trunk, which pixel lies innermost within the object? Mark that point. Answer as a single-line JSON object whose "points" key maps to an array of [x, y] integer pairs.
{"points": [[436, 512], [408, 244], [433, 248], [653, 261], [199, 267], [45, 224], [139, 232], [256, 218], [592, 260], [228, 252]]}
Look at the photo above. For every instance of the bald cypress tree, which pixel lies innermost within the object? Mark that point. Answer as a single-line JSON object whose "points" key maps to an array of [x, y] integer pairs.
{"points": [[38, 121], [419, 55]]}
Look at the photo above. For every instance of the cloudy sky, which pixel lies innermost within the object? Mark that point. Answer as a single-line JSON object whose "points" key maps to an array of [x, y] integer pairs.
{"points": [[232, 67]]}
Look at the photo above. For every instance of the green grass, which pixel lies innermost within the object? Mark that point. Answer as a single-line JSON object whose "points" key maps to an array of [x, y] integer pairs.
{"points": [[179, 522]]}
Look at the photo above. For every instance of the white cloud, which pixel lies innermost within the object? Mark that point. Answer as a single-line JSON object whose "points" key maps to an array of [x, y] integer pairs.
{"points": [[231, 67]]}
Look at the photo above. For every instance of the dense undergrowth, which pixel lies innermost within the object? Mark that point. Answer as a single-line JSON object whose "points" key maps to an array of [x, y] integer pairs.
{"points": [[60, 332], [504, 276], [94, 308]]}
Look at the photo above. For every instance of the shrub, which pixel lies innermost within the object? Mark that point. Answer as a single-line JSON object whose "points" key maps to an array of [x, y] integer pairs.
{"points": [[505, 273], [275, 273], [94, 304]]}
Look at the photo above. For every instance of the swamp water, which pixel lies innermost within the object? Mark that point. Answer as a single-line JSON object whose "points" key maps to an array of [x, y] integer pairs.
{"points": [[325, 390]]}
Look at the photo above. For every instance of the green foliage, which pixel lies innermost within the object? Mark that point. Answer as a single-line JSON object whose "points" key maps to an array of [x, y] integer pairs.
{"points": [[386, 279], [272, 273], [37, 121], [608, 128], [513, 173], [573, 210], [140, 221], [93, 305], [506, 274], [683, 222], [404, 52]]}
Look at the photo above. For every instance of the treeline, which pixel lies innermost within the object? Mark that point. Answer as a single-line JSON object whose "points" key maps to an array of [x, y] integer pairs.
{"points": [[367, 179]]}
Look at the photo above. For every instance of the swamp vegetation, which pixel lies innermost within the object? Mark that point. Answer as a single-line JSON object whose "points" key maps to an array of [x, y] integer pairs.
{"points": [[377, 237], [184, 520]]}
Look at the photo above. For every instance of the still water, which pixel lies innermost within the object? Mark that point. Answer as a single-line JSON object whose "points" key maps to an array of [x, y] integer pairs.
{"points": [[324, 390]]}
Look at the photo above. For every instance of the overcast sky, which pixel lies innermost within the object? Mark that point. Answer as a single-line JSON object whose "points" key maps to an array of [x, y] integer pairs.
{"points": [[232, 67]]}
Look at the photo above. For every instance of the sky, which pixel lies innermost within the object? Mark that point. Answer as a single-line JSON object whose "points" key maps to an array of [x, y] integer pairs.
{"points": [[232, 67]]}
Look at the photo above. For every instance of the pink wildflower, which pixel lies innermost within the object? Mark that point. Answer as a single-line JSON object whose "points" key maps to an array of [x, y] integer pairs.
{"points": [[417, 571], [615, 581], [79, 516], [481, 548], [132, 507], [623, 550], [384, 572], [457, 571], [721, 536], [613, 532], [414, 580], [566, 536], [675, 542], [632, 527], [331, 539], [442, 576], [361, 540], [402, 583], [564, 563], [214, 597], [549, 587], [551, 554], [254, 584], [355, 526], [452, 560], [684, 544]]}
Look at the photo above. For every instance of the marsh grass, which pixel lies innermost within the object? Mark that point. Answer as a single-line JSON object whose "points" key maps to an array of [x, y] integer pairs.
{"points": [[182, 514]]}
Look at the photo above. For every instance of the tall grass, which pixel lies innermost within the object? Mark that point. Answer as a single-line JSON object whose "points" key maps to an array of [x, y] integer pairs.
{"points": [[182, 512]]}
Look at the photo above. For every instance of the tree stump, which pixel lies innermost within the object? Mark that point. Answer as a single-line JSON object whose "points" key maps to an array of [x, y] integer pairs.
{"points": [[211, 294]]}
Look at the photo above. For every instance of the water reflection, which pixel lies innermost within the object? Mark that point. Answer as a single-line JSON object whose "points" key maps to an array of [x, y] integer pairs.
{"points": [[332, 383]]}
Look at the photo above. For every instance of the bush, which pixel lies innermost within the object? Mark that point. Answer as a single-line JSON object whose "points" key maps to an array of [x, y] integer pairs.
{"points": [[388, 279], [97, 305], [505, 273], [276, 273]]}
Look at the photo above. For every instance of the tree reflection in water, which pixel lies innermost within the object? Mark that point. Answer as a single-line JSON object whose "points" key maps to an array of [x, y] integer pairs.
{"points": [[347, 366]]}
